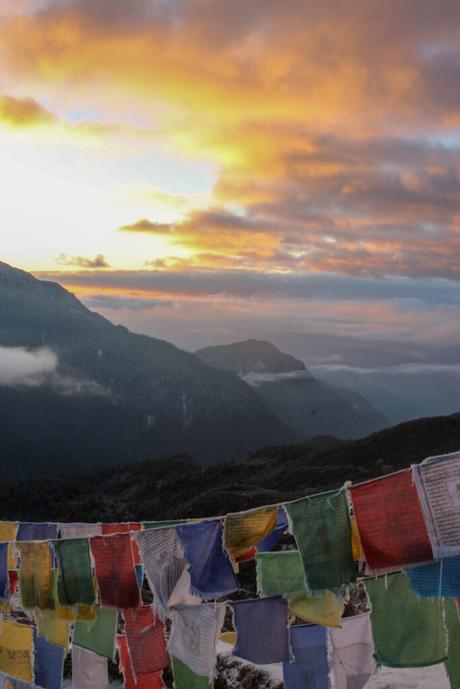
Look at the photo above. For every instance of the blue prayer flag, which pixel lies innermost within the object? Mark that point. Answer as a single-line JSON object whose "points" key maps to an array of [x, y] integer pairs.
{"points": [[261, 630], [438, 579], [48, 663], [211, 572], [275, 536], [310, 668]]}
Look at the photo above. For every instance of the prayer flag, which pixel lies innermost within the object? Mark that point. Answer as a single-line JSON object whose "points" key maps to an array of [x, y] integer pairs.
{"points": [[28, 531], [280, 573], [79, 530], [194, 633], [390, 522], [243, 530], [151, 681], [352, 652], [310, 668], [441, 578], [408, 631], [52, 627], [8, 532], [211, 573], [453, 632], [325, 609], [276, 535], [184, 678], [321, 528], [438, 484], [262, 630], [35, 574], [75, 581], [146, 641], [16, 650], [164, 566], [48, 663], [4, 576], [89, 671], [125, 527], [115, 572], [164, 524], [98, 635]]}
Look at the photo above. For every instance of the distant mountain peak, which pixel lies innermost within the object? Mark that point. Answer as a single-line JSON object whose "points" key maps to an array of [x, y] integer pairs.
{"points": [[250, 356]]}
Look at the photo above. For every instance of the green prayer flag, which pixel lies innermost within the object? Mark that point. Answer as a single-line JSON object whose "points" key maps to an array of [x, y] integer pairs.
{"points": [[184, 678], [453, 651], [75, 580], [164, 524], [98, 635], [408, 631], [280, 573], [321, 527]]}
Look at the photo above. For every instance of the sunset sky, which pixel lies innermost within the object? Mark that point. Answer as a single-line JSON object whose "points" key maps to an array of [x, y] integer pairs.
{"points": [[210, 170]]}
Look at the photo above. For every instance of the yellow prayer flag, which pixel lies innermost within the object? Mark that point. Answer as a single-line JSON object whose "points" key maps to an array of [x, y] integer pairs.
{"points": [[325, 610], [243, 530], [55, 629], [35, 574], [16, 650], [8, 531], [355, 540]]}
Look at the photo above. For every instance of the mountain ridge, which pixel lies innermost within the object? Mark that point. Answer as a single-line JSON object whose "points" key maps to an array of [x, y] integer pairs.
{"points": [[177, 487]]}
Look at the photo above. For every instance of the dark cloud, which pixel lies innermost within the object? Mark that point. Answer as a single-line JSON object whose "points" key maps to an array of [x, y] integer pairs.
{"points": [[98, 261], [115, 302], [148, 227], [247, 284]]}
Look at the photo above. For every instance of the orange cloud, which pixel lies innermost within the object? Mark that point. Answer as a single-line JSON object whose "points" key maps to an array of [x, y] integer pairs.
{"points": [[23, 112]]}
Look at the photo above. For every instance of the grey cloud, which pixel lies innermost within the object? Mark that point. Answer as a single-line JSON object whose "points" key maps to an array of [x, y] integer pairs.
{"points": [[245, 283], [113, 302], [256, 379], [98, 261], [20, 366]]}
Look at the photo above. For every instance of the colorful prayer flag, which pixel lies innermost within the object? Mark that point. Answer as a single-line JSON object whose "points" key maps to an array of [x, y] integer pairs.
{"points": [[89, 671], [146, 641], [194, 633], [115, 571], [280, 573], [48, 663], [35, 574], [185, 678], [16, 650], [309, 669], [441, 578], [211, 573], [321, 528], [262, 630], [75, 581], [243, 530], [438, 483], [151, 681], [98, 635], [325, 609], [390, 522], [353, 652], [408, 631]]}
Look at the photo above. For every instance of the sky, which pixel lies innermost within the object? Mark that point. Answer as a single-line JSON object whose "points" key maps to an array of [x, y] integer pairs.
{"points": [[209, 171]]}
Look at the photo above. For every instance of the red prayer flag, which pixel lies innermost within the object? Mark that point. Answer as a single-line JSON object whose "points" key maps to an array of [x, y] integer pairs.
{"points": [[146, 641], [125, 527], [115, 572], [390, 521], [151, 681], [13, 577]]}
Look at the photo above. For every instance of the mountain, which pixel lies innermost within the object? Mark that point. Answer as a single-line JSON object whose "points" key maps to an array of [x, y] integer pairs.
{"points": [[308, 406], [403, 392], [177, 487], [106, 395]]}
